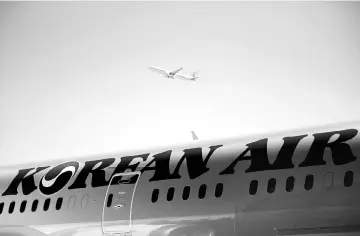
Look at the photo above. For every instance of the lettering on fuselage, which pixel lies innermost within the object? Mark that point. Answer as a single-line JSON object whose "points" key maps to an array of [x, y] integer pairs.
{"points": [[56, 178]]}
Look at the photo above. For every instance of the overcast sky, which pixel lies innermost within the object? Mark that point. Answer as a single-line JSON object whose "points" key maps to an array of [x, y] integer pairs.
{"points": [[74, 76]]}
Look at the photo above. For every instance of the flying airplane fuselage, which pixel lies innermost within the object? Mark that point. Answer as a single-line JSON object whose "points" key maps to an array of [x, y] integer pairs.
{"points": [[290, 183], [169, 76]]}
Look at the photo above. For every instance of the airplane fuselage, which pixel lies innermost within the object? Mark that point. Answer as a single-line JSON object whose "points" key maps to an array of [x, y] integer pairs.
{"points": [[169, 76], [282, 184]]}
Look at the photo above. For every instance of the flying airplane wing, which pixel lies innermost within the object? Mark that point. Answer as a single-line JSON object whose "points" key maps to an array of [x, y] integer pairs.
{"points": [[175, 71], [158, 70]]}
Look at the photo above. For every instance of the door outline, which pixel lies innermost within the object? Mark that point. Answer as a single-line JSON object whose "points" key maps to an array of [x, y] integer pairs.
{"points": [[129, 232]]}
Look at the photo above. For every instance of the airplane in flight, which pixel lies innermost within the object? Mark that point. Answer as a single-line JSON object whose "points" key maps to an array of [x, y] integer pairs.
{"points": [[167, 74], [298, 182]]}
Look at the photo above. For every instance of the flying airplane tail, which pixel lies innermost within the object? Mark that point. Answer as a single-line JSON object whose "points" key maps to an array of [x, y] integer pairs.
{"points": [[195, 75]]}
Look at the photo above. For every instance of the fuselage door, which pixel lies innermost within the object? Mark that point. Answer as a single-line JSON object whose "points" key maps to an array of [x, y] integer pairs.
{"points": [[118, 203]]}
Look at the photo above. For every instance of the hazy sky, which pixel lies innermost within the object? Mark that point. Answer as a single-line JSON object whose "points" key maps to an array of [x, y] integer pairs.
{"points": [[74, 76]]}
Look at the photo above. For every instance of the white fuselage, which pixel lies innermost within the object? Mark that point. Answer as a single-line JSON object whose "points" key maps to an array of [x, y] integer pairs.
{"points": [[299, 182]]}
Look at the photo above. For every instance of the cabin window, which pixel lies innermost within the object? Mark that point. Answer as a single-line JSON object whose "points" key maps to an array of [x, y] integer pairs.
{"points": [[309, 182], [329, 180], [253, 187], [11, 207], [85, 201], [46, 204], [1, 207], [202, 191], [290, 181], [109, 200], [22, 206], [155, 195], [170, 194], [34, 205], [348, 178], [271, 185], [59, 203], [218, 190], [72, 201], [186, 193]]}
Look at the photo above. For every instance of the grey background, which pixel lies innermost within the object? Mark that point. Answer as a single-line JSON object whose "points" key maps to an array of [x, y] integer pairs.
{"points": [[74, 77]]}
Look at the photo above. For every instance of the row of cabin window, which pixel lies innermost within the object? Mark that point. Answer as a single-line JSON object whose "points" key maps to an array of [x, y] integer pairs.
{"points": [[186, 192], [34, 205], [290, 182], [289, 186], [171, 191]]}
